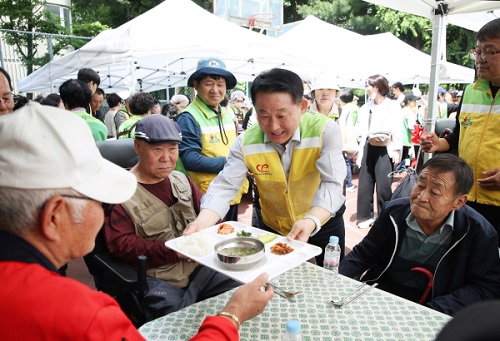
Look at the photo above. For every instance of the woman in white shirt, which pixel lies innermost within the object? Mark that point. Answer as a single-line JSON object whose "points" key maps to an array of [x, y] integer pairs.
{"points": [[383, 117]]}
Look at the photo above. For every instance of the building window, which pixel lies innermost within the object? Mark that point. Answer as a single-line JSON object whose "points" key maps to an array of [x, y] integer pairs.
{"points": [[62, 13]]}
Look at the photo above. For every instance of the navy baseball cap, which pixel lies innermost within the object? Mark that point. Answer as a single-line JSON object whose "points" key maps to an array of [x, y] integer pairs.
{"points": [[156, 129], [212, 66], [411, 97]]}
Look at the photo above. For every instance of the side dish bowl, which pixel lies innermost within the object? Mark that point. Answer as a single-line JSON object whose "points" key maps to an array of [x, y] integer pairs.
{"points": [[240, 253]]}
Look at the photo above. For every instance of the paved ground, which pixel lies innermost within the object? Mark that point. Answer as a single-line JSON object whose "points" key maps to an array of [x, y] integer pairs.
{"points": [[354, 235]]}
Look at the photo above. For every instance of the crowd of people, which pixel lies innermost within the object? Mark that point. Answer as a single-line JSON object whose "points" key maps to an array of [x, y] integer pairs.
{"points": [[296, 145]]}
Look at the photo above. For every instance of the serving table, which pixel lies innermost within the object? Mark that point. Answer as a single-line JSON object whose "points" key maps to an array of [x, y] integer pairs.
{"points": [[375, 315]]}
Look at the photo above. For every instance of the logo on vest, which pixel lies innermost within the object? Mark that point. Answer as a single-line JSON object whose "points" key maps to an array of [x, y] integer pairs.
{"points": [[213, 139], [263, 169], [466, 122]]}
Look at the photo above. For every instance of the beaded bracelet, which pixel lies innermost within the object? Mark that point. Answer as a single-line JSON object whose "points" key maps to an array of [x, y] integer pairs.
{"points": [[231, 316]]}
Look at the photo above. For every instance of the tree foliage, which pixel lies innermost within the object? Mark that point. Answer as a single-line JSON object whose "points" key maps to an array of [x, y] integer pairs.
{"points": [[415, 30], [112, 13], [29, 16], [354, 15]]}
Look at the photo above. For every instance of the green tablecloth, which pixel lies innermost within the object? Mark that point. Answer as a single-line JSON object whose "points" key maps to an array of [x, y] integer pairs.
{"points": [[376, 315]]}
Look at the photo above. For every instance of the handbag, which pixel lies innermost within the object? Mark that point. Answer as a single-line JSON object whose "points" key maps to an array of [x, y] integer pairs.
{"points": [[379, 139]]}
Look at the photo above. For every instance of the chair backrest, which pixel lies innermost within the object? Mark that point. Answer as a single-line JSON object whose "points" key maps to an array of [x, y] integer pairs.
{"points": [[445, 126], [120, 152], [444, 123]]}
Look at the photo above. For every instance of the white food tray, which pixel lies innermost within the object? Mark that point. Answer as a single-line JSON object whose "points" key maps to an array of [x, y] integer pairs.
{"points": [[273, 264]]}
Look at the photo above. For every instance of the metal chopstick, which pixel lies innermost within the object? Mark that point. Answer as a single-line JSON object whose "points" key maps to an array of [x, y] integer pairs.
{"points": [[339, 303], [358, 295]]}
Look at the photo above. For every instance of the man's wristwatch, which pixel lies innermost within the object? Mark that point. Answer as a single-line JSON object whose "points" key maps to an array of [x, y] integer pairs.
{"points": [[316, 221]]}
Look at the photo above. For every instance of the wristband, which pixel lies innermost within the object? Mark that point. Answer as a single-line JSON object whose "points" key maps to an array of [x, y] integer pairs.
{"points": [[316, 222], [231, 316]]}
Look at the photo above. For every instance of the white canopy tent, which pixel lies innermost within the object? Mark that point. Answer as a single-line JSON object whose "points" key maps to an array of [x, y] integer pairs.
{"points": [[464, 13], [321, 43], [160, 49], [351, 58]]}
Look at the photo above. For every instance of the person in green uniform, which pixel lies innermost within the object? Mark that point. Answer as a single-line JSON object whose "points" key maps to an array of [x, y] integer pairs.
{"points": [[76, 96], [140, 106]]}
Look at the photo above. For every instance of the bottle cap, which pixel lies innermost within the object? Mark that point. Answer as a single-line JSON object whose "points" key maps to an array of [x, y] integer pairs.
{"points": [[334, 239], [293, 327]]}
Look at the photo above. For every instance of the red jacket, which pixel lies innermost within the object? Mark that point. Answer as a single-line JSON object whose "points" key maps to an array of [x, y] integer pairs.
{"points": [[38, 304], [217, 328]]}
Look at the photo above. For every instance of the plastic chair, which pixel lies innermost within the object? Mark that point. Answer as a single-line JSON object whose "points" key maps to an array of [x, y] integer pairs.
{"points": [[120, 152]]}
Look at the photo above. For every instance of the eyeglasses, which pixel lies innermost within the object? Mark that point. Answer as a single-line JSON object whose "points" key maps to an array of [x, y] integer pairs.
{"points": [[486, 56], [68, 196], [106, 207], [10, 100]]}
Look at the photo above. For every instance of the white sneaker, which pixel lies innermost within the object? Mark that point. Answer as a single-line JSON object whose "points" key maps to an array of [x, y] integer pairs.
{"points": [[366, 224], [351, 189]]}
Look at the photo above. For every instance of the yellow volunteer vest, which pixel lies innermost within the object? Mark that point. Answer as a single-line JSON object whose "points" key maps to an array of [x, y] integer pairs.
{"points": [[479, 142], [284, 201], [153, 220], [212, 142]]}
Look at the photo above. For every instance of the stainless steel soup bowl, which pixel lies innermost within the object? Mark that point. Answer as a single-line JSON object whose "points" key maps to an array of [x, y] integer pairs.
{"points": [[240, 262]]}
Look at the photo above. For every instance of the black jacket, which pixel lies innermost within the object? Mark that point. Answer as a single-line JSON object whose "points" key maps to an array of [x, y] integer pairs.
{"points": [[468, 272]]}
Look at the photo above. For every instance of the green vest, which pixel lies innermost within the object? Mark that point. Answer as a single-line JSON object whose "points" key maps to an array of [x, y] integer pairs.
{"points": [[479, 141], [442, 110], [153, 220], [98, 129], [407, 130], [212, 144], [238, 113], [284, 201], [127, 128]]}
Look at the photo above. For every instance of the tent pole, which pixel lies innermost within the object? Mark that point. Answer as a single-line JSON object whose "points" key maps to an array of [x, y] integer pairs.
{"points": [[133, 81], [438, 28]]}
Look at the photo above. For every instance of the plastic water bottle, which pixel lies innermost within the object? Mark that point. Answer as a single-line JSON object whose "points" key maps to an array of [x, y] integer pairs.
{"points": [[293, 331], [332, 255]]}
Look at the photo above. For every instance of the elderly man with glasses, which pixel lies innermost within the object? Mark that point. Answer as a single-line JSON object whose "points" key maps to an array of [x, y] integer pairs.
{"points": [[52, 183], [477, 128], [7, 99]]}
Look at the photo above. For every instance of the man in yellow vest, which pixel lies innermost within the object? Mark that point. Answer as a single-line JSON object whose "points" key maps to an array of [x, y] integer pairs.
{"points": [[296, 159], [477, 128], [208, 130]]}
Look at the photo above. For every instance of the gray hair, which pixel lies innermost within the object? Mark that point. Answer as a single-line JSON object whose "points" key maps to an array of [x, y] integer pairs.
{"points": [[176, 99], [20, 208]]}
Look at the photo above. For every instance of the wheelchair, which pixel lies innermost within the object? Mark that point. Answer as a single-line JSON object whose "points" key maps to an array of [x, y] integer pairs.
{"points": [[126, 284]]}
